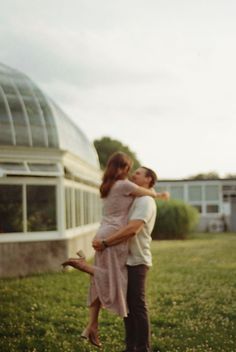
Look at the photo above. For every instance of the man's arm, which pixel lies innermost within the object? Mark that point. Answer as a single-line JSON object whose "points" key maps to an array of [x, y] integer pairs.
{"points": [[131, 229]]}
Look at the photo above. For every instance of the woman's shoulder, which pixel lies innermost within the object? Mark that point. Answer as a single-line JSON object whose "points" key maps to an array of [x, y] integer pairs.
{"points": [[125, 185], [125, 182]]}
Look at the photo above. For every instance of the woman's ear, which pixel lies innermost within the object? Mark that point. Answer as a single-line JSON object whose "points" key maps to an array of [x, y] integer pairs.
{"points": [[127, 168]]}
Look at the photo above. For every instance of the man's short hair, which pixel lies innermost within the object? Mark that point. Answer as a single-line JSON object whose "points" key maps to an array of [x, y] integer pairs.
{"points": [[150, 173]]}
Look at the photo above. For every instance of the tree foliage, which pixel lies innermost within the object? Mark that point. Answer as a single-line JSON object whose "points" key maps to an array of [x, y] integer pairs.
{"points": [[212, 175], [230, 176], [107, 146]]}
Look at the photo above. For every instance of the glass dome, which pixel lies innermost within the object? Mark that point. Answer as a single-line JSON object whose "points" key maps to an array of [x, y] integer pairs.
{"points": [[29, 118]]}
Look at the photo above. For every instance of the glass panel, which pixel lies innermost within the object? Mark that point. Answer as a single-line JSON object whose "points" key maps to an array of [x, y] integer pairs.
{"points": [[94, 205], [50, 126], [66, 216], [5, 127], [86, 208], [11, 213], [177, 192], [211, 192], [22, 86], [5, 69], [77, 208], [49, 119], [68, 205], [198, 207], [96, 219], [212, 208], [41, 208], [67, 210], [82, 207], [6, 85], [73, 139], [229, 188], [195, 193], [22, 137], [13, 166], [43, 167], [91, 208], [36, 123], [161, 188]]}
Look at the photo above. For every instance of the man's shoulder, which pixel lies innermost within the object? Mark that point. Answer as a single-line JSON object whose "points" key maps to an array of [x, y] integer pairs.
{"points": [[143, 208], [144, 201]]}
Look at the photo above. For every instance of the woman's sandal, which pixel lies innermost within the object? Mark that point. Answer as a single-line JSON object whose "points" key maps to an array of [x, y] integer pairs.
{"points": [[91, 336], [81, 254]]}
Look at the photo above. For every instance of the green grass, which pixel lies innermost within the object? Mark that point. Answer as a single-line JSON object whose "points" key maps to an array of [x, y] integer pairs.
{"points": [[191, 295]]}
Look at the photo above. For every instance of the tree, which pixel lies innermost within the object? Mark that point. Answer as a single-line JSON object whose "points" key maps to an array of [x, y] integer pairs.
{"points": [[107, 146], [230, 176], [205, 176]]}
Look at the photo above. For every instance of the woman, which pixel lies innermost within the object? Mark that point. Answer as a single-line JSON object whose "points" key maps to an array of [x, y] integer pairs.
{"points": [[109, 273]]}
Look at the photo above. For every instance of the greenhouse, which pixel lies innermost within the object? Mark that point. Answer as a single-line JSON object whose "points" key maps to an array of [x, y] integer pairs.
{"points": [[49, 177]]}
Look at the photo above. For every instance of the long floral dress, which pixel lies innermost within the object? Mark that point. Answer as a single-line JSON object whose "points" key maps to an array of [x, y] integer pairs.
{"points": [[109, 282]]}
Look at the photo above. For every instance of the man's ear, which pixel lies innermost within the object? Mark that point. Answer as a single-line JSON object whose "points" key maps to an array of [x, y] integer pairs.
{"points": [[149, 179]]}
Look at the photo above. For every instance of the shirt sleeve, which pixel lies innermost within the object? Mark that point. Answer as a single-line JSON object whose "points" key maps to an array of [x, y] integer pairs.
{"points": [[142, 209], [127, 187]]}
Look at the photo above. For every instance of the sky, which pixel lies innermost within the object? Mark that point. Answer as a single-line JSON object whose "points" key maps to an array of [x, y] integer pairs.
{"points": [[158, 75]]}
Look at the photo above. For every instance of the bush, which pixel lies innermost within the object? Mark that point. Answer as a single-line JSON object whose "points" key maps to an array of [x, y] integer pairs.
{"points": [[175, 220]]}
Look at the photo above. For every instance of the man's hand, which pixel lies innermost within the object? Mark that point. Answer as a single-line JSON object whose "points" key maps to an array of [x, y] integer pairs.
{"points": [[98, 246], [126, 232]]}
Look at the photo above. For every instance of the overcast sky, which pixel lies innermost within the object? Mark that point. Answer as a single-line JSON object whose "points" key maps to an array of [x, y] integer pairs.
{"points": [[158, 75]]}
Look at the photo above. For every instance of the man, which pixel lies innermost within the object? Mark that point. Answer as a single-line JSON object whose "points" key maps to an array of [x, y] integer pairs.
{"points": [[141, 222]]}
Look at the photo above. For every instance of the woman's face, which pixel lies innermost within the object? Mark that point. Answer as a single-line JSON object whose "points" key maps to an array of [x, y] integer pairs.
{"points": [[127, 168], [124, 172]]}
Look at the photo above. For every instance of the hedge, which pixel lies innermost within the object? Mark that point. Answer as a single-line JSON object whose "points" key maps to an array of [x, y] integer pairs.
{"points": [[175, 220]]}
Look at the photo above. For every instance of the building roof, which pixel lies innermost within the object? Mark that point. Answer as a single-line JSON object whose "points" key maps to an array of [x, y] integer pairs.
{"points": [[196, 180], [29, 118]]}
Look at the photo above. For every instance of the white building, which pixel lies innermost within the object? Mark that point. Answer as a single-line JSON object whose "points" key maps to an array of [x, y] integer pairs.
{"points": [[49, 177], [214, 199]]}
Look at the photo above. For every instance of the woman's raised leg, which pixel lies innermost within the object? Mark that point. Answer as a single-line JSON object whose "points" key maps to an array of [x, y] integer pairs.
{"points": [[80, 264]]}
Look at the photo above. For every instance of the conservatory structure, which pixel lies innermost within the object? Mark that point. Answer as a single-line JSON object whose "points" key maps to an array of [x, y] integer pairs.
{"points": [[49, 177]]}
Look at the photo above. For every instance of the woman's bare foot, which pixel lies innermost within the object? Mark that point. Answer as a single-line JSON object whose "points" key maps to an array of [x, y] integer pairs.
{"points": [[80, 264], [92, 336]]}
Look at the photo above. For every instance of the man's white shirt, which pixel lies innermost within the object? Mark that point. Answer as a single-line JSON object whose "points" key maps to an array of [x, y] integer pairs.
{"points": [[143, 208]]}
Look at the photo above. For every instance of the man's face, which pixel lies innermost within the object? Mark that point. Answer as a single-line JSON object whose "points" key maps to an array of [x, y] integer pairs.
{"points": [[139, 177]]}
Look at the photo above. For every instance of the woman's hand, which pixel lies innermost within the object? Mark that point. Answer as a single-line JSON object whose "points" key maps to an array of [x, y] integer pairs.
{"points": [[98, 245], [163, 195]]}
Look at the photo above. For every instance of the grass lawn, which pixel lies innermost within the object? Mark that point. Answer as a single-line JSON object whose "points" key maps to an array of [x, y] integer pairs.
{"points": [[191, 295]]}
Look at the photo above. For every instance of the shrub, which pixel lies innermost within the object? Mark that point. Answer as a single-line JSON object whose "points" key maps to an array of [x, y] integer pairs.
{"points": [[175, 220]]}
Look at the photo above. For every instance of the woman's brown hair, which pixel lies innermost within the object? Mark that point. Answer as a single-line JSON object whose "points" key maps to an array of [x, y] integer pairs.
{"points": [[117, 168]]}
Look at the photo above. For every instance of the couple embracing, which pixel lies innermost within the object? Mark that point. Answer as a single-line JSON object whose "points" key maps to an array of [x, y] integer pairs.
{"points": [[122, 252]]}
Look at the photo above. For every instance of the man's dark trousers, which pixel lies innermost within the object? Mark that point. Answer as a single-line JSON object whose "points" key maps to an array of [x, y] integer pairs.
{"points": [[137, 326]]}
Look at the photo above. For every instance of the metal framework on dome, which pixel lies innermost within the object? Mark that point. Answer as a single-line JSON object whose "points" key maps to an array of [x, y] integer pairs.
{"points": [[29, 118]]}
